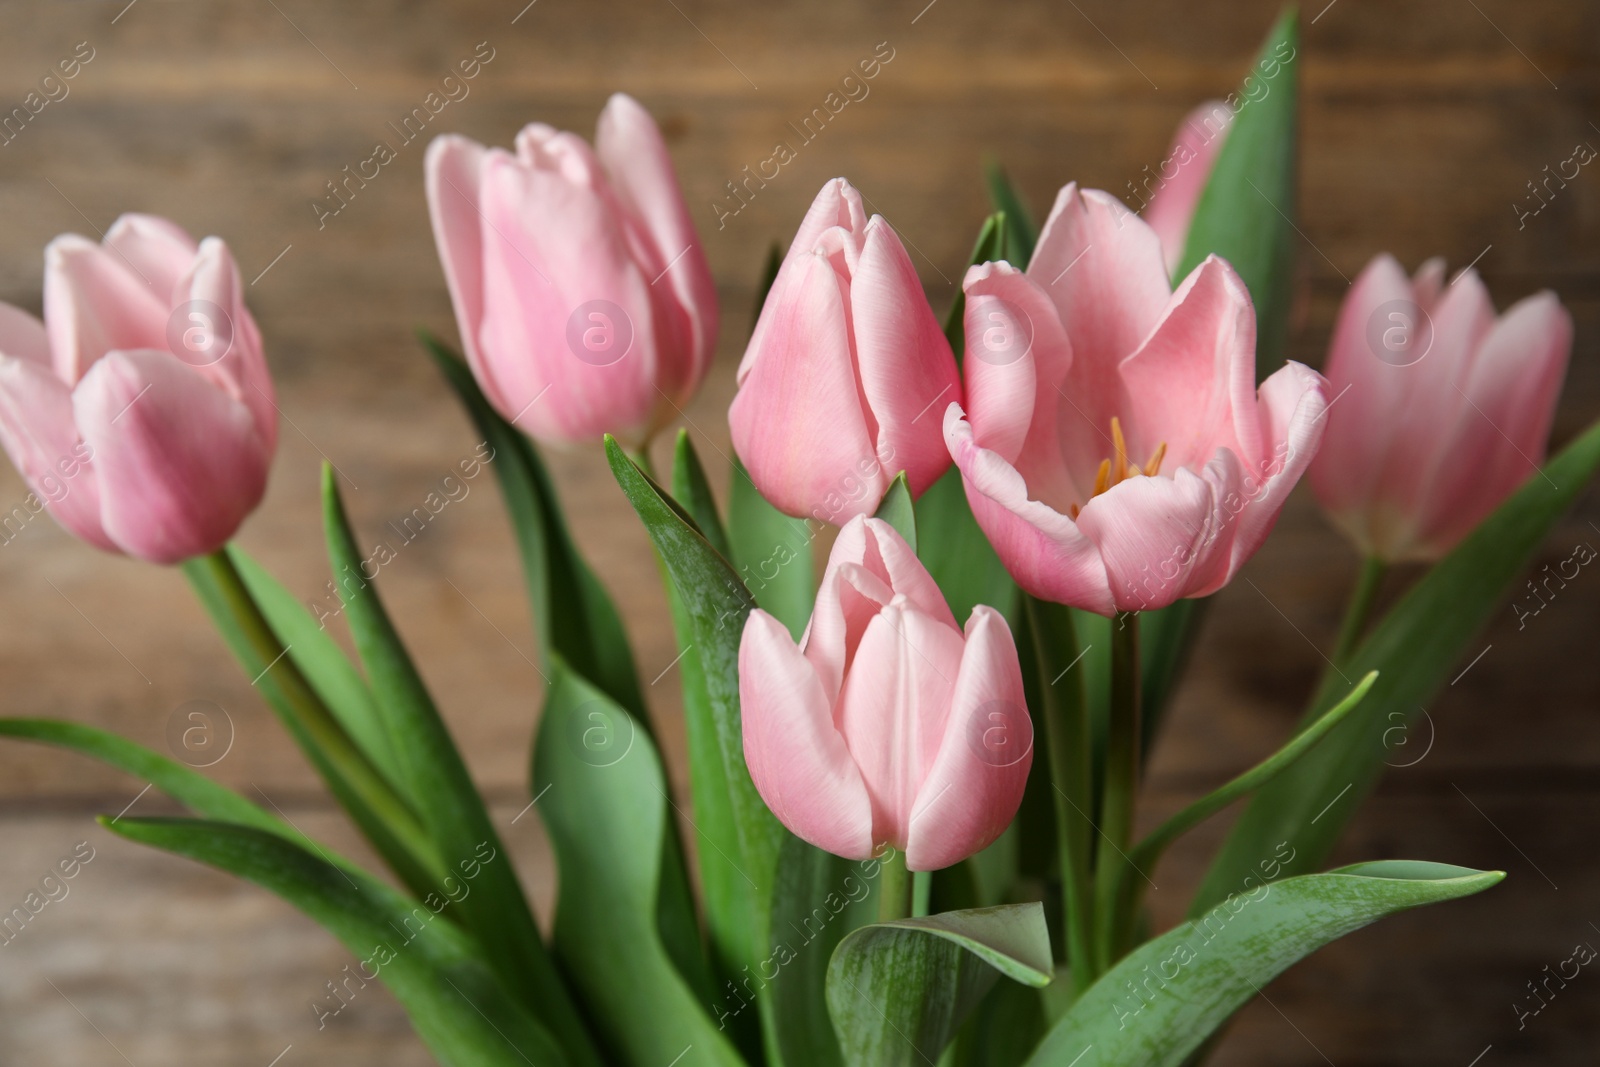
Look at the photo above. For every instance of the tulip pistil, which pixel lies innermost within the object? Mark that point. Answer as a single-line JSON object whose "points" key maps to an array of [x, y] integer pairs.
{"points": [[1118, 469]]}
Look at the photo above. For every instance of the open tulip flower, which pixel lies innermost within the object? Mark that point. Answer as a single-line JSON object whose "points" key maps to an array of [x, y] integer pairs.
{"points": [[1443, 408], [1114, 447], [581, 290], [887, 725], [140, 411], [847, 371]]}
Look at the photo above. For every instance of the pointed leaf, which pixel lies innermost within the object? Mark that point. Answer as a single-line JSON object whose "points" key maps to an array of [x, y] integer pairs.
{"points": [[896, 509], [1020, 232], [692, 490], [898, 991], [1164, 998], [459, 1009], [772, 553], [989, 246], [1416, 647]]}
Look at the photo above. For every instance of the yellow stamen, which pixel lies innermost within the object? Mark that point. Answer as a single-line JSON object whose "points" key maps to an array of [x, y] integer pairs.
{"points": [[1154, 466], [1102, 478], [1120, 470], [1133, 470]]}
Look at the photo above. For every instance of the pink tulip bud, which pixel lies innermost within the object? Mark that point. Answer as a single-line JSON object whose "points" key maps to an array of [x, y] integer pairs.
{"points": [[1442, 408], [847, 371], [1175, 187], [887, 725], [1115, 449], [140, 411], [581, 290]]}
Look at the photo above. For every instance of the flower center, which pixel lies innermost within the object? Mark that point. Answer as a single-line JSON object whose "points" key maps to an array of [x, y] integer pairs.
{"points": [[1117, 468]]}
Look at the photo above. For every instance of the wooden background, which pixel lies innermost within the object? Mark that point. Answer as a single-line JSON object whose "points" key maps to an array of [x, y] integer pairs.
{"points": [[1422, 123]]}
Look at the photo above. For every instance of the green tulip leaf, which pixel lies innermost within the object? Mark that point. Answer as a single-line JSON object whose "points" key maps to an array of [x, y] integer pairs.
{"points": [[771, 553], [437, 972], [442, 789], [600, 788], [1246, 213], [898, 991], [1415, 648], [896, 509], [1020, 233], [572, 613], [692, 490], [1166, 997], [990, 246]]}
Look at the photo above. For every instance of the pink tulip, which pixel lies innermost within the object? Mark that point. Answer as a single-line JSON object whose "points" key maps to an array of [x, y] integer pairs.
{"points": [[581, 290], [887, 725], [1115, 448], [1182, 176], [1442, 408], [847, 370], [140, 410]]}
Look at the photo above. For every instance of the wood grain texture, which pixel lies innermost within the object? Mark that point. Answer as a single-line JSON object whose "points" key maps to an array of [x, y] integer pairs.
{"points": [[1422, 123]]}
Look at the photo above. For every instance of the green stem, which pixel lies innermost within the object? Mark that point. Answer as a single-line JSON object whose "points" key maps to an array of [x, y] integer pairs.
{"points": [[1361, 601], [1066, 721], [894, 888], [357, 784], [1121, 786]]}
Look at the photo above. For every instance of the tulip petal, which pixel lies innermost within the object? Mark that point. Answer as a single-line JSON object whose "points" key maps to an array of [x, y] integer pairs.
{"points": [[1294, 414], [1152, 533], [155, 248], [1193, 153], [630, 147], [1191, 384], [1044, 551], [800, 764], [453, 171], [975, 784], [180, 462], [907, 371], [240, 367], [798, 420], [38, 432], [93, 302], [892, 710]]}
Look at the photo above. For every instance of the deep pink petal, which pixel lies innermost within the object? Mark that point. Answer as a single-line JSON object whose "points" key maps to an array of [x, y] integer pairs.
{"points": [[1182, 176], [893, 707], [798, 761], [798, 421], [974, 786], [1043, 550], [908, 374], [180, 462]]}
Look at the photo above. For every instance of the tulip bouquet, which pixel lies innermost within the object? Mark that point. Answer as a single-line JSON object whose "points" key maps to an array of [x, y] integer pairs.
{"points": [[912, 822]]}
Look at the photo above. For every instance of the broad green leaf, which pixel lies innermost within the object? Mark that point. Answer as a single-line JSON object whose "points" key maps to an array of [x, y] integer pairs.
{"points": [[458, 1008], [443, 791], [1168, 995], [1004, 1029], [572, 613], [989, 246], [1020, 232], [772, 553], [1247, 210], [739, 838], [953, 547], [895, 509], [692, 490], [321, 660], [899, 991], [1415, 648], [603, 796], [373, 803]]}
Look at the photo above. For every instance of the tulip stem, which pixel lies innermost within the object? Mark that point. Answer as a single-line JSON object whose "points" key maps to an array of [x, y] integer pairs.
{"points": [[894, 888], [1361, 601], [1121, 788]]}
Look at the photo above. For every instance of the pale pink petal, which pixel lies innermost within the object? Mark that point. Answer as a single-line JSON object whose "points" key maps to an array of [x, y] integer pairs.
{"points": [[974, 786], [798, 421], [1194, 150], [908, 374], [800, 764], [635, 157], [94, 302], [180, 462], [38, 432], [849, 598], [229, 350], [1007, 361], [1043, 550], [452, 171], [892, 710], [1151, 533], [1293, 416], [154, 248], [1191, 384]]}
